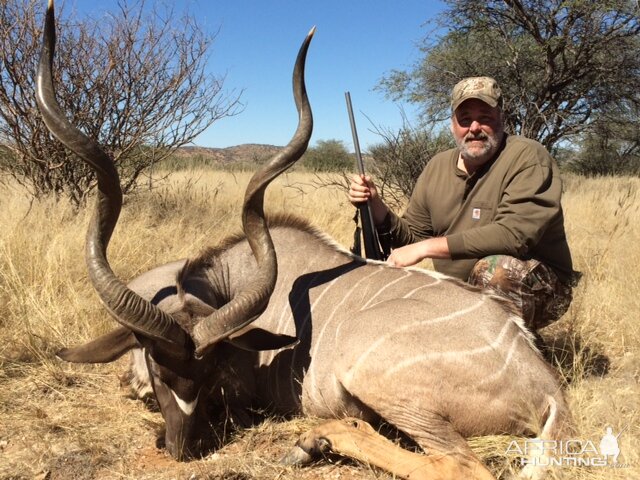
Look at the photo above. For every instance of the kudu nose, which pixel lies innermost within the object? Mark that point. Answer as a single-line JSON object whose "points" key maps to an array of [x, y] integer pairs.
{"points": [[180, 451]]}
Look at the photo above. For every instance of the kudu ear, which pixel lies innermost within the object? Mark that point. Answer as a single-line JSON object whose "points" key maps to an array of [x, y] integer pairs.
{"points": [[256, 339], [104, 349]]}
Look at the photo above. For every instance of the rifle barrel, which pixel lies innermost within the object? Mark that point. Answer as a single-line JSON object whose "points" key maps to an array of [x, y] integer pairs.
{"points": [[371, 245], [354, 133]]}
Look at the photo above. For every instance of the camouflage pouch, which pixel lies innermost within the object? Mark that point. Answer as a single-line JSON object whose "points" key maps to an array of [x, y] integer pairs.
{"points": [[533, 287]]}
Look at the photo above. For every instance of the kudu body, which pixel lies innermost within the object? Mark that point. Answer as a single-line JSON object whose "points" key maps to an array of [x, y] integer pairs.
{"points": [[321, 332]]}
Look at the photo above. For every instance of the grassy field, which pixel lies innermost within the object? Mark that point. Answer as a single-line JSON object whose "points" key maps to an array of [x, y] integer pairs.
{"points": [[63, 421]]}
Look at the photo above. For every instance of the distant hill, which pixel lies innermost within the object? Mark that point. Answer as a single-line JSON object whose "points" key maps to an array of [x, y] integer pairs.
{"points": [[245, 156], [249, 153]]}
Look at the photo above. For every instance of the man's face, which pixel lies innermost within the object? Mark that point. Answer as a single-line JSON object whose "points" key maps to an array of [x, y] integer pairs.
{"points": [[477, 129]]}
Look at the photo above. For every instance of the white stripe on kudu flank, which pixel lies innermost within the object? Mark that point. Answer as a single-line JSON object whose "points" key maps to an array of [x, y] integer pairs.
{"points": [[372, 298], [427, 285], [354, 288], [425, 357], [294, 359], [495, 375], [285, 319], [186, 407], [389, 336], [286, 314]]}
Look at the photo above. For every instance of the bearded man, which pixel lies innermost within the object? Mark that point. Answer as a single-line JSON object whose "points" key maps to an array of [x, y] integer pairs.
{"points": [[487, 212]]}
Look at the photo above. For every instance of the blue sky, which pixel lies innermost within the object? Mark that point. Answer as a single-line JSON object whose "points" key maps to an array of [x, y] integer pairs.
{"points": [[355, 44]]}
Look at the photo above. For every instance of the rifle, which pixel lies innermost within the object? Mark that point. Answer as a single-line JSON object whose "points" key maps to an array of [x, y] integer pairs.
{"points": [[370, 235]]}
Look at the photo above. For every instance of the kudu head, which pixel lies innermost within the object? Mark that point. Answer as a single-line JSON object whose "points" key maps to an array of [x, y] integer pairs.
{"points": [[181, 353]]}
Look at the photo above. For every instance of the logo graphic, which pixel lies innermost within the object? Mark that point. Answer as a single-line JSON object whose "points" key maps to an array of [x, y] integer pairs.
{"points": [[475, 214], [573, 452], [609, 445]]}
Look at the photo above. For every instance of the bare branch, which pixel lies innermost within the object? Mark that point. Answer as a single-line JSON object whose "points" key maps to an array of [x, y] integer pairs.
{"points": [[137, 81], [560, 64]]}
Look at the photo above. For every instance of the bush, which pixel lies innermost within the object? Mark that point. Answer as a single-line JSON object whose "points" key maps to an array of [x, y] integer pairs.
{"points": [[607, 153], [328, 156], [401, 157]]}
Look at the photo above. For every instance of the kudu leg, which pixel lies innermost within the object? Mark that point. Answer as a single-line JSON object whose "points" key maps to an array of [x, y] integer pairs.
{"points": [[356, 439]]}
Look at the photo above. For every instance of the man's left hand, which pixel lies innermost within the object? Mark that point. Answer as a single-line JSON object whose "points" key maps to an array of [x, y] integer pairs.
{"points": [[408, 255]]}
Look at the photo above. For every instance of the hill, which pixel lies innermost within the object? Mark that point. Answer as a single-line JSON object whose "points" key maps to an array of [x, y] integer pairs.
{"points": [[249, 153]]}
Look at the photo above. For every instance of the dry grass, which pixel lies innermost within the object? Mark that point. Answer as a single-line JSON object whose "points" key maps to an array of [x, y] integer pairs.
{"points": [[73, 421]]}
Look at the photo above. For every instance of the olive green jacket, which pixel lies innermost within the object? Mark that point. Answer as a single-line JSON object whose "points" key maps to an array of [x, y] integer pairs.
{"points": [[509, 206]]}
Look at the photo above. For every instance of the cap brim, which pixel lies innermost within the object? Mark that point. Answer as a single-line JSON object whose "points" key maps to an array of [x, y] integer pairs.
{"points": [[492, 102]]}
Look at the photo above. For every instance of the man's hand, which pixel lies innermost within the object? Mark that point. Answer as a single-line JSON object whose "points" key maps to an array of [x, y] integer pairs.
{"points": [[362, 189], [408, 255]]}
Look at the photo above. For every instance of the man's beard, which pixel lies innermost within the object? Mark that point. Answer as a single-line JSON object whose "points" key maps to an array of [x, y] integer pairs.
{"points": [[489, 147]]}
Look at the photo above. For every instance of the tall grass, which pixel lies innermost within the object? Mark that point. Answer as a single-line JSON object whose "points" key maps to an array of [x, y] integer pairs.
{"points": [[72, 421]]}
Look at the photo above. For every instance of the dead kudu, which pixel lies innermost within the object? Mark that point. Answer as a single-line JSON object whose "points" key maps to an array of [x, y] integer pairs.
{"points": [[318, 332]]}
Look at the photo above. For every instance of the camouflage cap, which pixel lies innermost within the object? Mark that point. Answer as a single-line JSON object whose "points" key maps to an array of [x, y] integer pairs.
{"points": [[482, 88]]}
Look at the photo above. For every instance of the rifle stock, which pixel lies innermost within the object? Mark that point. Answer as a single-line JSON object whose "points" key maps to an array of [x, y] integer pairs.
{"points": [[371, 243]]}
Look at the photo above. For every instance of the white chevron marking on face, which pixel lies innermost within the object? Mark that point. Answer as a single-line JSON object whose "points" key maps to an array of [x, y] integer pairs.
{"points": [[140, 381], [186, 407]]}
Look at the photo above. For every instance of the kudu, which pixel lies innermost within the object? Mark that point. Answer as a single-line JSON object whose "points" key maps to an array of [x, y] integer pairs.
{"points": [[318, 332]]}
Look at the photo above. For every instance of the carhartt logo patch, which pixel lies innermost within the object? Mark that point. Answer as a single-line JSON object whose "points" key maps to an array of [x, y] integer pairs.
{"points": [[475, 214]]}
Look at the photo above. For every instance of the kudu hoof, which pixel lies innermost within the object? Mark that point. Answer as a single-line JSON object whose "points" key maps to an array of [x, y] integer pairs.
{"points": [[296, 457], [318, 441]]}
